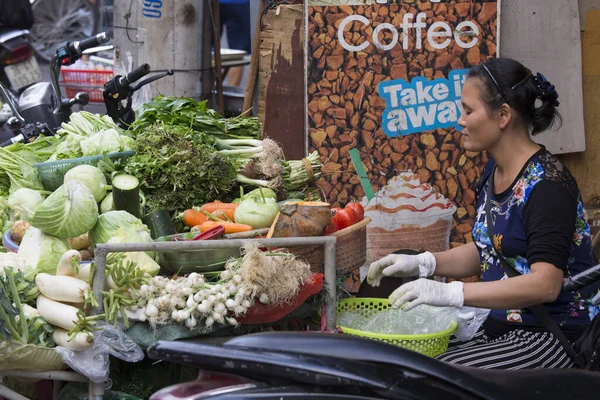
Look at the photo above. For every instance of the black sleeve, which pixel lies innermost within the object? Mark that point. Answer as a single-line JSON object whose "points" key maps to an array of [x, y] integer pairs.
{"points": [[549, 217]]}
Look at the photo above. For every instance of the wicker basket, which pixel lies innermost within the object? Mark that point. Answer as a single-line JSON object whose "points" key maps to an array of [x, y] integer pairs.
{"points": [[431, 344], [350, 252], [52, 173]]}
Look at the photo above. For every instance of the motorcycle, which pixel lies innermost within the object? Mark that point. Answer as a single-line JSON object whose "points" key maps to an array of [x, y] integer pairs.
{"points": [[300, 365], [40, 108], [18, 66]]}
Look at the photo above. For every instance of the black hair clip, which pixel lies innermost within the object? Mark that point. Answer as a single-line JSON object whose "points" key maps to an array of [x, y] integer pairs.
{"points": [[546, 90]]}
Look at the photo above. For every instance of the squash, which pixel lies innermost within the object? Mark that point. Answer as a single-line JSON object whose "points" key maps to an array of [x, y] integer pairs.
{"points": [[297, 219]]}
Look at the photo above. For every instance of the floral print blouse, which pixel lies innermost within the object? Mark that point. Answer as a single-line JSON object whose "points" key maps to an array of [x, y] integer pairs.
{"points": [[540, 218]]}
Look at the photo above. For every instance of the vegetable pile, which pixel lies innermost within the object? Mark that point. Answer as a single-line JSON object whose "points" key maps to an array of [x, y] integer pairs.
{"points": [[175, 171]]}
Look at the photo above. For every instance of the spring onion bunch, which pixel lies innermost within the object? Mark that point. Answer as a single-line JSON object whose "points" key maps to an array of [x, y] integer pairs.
{"points": [[260, 162], [298, 174]]}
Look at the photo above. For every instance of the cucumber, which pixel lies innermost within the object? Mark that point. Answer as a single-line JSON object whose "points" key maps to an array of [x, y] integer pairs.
{"points": [[160, 224], [126, 194]]}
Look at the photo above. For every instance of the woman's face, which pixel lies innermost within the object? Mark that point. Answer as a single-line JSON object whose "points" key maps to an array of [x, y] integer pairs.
{"points": [[480, 128]]}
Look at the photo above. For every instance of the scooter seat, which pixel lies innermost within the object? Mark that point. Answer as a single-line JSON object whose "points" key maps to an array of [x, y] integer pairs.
{"points": [[524, 384]]}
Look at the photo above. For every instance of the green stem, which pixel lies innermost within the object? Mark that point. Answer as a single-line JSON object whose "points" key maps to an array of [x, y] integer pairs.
{"points": [[13, 289]]}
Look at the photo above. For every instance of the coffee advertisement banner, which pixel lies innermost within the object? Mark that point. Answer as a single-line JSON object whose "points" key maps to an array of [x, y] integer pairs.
{"points": [[384, 83]]}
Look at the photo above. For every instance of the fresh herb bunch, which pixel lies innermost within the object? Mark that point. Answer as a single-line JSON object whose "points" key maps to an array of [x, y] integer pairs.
{"points": [[195, 115], [176, 171]]}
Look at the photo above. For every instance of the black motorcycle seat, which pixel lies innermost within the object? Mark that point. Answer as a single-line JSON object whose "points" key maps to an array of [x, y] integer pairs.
{"points": [[524, 384]]}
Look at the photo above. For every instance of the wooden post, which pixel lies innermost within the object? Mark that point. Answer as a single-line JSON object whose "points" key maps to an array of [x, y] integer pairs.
{"points": [[253, 73], [217, 46], [207, 79]]}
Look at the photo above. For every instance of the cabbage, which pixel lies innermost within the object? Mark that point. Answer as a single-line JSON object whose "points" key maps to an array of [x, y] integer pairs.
{"points": [[107, 204], [121, 224], [68, 212], [23, 203], [141, 259], [90, 176], [42, 252], [106, 141]]}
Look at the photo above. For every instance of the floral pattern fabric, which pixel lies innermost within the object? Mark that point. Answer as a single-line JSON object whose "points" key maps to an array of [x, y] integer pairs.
{"points": [[510, 238]]}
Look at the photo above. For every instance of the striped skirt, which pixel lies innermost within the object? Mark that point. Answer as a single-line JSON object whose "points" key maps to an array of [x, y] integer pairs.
{"points": [[517, 349]]}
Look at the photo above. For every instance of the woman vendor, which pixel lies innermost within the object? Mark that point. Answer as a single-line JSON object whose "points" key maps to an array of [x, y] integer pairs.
{"points": [[538, 224]]}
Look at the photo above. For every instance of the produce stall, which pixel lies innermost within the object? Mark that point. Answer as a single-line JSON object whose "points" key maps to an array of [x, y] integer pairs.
{"points": [[185, 225]]}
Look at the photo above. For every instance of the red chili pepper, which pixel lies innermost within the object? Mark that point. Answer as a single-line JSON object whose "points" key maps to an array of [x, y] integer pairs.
{"points": [[212, 233]]}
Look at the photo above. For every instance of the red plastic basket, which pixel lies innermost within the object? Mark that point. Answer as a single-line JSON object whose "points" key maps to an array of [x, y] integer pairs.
{"points": [[86, 80]]}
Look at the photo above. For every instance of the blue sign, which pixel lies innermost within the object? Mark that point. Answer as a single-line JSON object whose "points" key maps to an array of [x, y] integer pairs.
{"points": [[422, 104]]}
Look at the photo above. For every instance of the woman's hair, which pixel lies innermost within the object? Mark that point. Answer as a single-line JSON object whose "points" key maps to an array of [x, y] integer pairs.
{"points": [[508, 81]]}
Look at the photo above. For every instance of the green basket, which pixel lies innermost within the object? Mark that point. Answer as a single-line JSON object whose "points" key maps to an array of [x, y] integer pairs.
{"points": [[52, 173], [431, 344]]}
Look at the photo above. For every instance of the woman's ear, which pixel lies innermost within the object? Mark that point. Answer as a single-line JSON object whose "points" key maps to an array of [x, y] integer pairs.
{"points": [[505, 116]]}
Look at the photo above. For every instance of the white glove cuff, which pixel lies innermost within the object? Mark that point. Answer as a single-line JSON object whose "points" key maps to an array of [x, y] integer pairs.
{"points": [[457, 297], [426, 264]]}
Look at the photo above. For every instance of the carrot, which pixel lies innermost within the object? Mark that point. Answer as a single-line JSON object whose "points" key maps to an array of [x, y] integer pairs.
{"points": [[230, 227], [218, 205], [226, 214], [192, 217]]}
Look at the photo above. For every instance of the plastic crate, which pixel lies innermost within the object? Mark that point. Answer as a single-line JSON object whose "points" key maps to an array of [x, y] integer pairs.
{"points": [[90, 81], [52, 173]]}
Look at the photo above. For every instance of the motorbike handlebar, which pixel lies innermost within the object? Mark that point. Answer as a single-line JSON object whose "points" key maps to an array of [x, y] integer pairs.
{"points": [[582, 279], [82, 45], [135, 75]]}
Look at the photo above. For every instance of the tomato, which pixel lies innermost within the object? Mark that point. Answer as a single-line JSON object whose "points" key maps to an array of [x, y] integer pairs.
{"points": [[358, 209], [330, 228], [344, 218]]}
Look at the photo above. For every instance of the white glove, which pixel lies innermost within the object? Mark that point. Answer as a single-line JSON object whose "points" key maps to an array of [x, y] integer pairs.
{"points": [[401, 265], [426, 291]]}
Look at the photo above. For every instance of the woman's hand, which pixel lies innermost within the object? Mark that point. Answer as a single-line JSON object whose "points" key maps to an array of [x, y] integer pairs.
{"points": [[401, 265], [426, 291]]}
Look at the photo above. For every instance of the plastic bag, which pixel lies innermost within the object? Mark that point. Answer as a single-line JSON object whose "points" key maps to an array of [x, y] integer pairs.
{"points": [[264, 314], [94, 362], [470, 320]]}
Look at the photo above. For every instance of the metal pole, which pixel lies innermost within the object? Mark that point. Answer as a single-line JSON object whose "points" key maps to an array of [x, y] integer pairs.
{"points": [[51, 375], [208, 244], [10, 394], [329, 269], [99, 276]]}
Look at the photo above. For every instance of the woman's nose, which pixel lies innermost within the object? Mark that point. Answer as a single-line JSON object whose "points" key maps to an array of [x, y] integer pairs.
{"points": [[462, 121]]}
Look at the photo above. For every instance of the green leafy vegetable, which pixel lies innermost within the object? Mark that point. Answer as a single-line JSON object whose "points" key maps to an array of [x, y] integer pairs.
{"points": [[105, 142], [91, 177], [119, 224], [42, 252], [195, 115], [24, 203], [70, 211], [89, 134], [177, 173], [16, 173]]}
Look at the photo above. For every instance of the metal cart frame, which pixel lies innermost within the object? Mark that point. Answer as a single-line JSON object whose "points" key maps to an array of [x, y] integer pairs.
{"points": [[101, 251]]}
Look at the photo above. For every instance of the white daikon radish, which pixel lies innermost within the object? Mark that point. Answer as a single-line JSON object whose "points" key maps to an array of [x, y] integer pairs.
{"points": [[65, 265], [81, 341], [56, 313], [62, 288]]}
